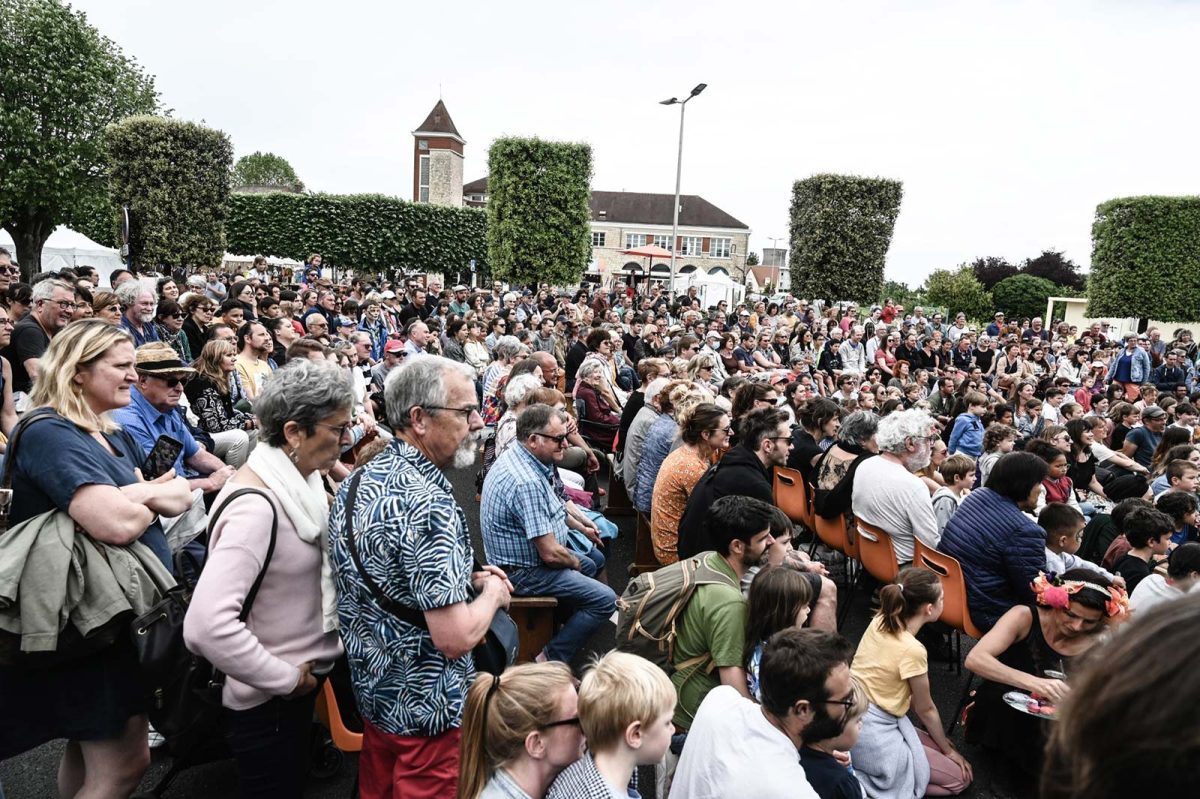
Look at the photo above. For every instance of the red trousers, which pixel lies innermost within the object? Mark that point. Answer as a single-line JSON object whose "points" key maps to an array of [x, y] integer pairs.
{"points": [[403, 767]]}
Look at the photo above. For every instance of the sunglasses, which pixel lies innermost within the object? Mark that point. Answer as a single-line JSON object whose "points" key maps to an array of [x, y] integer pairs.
{"points": [[173, 382]]}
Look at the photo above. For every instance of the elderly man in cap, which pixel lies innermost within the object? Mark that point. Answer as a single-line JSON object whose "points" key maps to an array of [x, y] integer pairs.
{"points": [[393, 356], [153, 411]]}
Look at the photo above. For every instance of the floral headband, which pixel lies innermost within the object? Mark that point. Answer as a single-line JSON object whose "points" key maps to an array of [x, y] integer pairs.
{"points": [[1055, 592]]}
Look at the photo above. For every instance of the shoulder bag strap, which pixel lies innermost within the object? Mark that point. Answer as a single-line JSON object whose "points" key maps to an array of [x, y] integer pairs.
{"points": [[402, 612], [212, 520], [35, 415]]}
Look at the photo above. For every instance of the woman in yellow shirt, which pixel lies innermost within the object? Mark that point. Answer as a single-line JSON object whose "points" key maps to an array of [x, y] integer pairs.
{"points": [[892, 758]]}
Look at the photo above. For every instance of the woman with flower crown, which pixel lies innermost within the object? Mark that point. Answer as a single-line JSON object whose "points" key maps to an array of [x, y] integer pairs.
{"points": [[1031, 649]]}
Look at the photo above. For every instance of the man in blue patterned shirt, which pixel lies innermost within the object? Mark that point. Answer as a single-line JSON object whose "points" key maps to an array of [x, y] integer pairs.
{"points": [[412, 537], [525, 531]]}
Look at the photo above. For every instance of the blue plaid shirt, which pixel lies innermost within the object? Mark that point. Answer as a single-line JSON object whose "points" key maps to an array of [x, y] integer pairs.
{"points": [[518, 505], [413, 541]]}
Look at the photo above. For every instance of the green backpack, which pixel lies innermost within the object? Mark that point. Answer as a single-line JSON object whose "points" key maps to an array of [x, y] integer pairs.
{"points": [[651, 605]]}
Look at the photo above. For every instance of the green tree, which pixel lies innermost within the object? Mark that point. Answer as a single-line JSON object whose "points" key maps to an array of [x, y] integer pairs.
{"points": [[265, 169], [841, 228], [902, 294], [751, 259], [174, 177], [538, 212], [61, 83], [1146, 259], [959, 290], [1023, 296], [1055, 267]]}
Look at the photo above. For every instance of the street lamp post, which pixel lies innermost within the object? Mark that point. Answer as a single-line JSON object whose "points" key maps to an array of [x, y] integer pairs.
{"points": [[777, 267], [678, 174]]}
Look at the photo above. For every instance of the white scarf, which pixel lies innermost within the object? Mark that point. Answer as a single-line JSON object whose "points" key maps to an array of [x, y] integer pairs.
{"points": [[303, 500]]}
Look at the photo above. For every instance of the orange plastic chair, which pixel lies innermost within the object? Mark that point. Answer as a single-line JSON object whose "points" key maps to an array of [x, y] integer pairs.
{"points": [[954, 588], [876, 552], [791, 496], [344, 738]]}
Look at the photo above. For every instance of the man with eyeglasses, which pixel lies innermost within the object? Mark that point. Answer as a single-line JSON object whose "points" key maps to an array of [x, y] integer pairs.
{"points": [[738, 747], [153, 411], [53, 305], [411, 680], [886, 492], [527, 531]]}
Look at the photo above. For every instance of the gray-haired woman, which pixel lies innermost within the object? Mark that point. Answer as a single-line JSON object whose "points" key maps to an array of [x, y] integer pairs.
{"points": [[833, 476], [290, 635]]}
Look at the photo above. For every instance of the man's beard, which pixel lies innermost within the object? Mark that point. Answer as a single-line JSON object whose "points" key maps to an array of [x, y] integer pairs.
{"points": [[464, 456], [920, 459], [823, 726], [146, 318]]}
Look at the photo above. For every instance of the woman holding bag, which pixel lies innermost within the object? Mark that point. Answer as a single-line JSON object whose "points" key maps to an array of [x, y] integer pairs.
{"points": [[80, 462], [272, 661]]}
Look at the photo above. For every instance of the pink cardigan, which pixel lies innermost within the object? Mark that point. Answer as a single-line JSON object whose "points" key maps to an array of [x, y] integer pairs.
{"points": [[261, 657]]}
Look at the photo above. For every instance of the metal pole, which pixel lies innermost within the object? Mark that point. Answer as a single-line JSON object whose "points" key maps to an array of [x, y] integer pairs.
{"points": [[675, 215]]}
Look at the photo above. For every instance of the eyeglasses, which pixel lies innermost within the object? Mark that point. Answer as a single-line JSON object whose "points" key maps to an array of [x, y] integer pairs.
{"points": [[466, 412], [559, 440], [727, 429], [341, 429], [10, 270], [173, 382], [66, 305], [571, 722]]}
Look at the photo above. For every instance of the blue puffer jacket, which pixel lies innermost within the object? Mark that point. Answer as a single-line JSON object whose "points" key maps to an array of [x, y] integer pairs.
{"points": [[1001, 551]]}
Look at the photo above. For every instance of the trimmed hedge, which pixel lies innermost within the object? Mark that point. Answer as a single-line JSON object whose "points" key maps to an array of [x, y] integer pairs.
{"points": [[841, 228], [1146, 259], [1023, 296], [174, 176], [360, 231], [539, 217]]}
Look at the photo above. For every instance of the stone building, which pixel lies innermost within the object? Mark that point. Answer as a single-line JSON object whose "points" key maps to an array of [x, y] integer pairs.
{"points": [[438, 159]]}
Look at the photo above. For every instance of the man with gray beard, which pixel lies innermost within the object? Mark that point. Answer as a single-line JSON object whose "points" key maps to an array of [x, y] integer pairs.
{"points": [[410, 538], [886, 491], [524, 518], [138, 301]]}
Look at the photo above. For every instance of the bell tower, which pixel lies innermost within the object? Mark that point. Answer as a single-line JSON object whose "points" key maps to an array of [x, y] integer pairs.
{"points": [[438, 159]]}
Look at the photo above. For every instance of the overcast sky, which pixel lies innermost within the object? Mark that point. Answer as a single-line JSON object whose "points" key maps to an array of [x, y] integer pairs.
{"points": [[1007, 122]]}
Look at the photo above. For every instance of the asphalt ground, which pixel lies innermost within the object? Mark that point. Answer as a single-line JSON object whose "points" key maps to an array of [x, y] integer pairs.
{"points": [[32, 774]]}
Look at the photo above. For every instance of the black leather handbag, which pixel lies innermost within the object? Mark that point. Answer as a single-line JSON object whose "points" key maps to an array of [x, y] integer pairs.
{"points": [[185, 689], [498, 649]]}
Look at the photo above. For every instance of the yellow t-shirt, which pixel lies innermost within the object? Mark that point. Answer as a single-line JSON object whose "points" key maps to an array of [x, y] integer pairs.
{"points": [[253, 374], [884, 663]]}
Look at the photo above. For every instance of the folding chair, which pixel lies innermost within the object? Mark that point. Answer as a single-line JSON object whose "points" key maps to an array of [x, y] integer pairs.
{"points": [[876, 552]]}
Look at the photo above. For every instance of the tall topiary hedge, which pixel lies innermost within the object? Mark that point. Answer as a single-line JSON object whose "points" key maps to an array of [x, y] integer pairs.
{"points": [[362, 231], [538, 213], [841, 228], [1146, 259], [1023, 296], [174, 176]]}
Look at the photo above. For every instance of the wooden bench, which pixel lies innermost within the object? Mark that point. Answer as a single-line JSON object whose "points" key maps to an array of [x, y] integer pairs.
{"points": [[643, 549], [534, 616]]}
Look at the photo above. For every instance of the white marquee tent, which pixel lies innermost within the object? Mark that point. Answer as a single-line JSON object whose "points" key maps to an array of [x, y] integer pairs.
{"points": [[69, 248]]}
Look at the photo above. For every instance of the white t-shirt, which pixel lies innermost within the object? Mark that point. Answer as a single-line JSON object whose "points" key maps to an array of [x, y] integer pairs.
{"points": [[732, 750], [1151, 591], [890, 497]]}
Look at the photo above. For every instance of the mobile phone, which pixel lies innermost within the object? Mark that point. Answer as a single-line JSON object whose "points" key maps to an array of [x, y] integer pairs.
{"points": [[162, 457]]}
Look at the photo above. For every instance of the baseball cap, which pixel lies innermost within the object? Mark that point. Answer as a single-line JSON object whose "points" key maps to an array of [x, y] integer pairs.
{"points": [[388, 295], [1153, 412], [460, 287], [393, 346], [345, 321]]}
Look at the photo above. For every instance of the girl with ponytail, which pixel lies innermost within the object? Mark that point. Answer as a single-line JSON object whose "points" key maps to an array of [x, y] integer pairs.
{"points": [[894, 759], [519, 730]]}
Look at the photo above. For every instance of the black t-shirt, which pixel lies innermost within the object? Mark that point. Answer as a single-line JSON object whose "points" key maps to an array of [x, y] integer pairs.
{"points": [[1133, 569], [829, 778], [28, 341]]}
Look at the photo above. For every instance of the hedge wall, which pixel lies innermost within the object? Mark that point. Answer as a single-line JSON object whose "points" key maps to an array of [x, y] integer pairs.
{"points": [[539, 211], [841, 228], [362, 231], [174, 176], [1146, 259]]}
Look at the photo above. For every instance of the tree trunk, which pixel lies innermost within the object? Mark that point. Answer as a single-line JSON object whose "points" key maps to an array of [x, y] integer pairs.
{"points": [[30, 229]]}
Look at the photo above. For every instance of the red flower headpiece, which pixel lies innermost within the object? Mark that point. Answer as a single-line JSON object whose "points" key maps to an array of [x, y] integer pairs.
{"points": [[1054, 592]]}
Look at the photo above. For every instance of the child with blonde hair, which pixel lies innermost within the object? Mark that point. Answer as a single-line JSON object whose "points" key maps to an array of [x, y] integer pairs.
{"points": [[625, 709]]}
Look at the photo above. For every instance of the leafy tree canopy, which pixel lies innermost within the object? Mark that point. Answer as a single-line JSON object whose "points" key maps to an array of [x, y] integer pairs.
{"points": [[990, 270], [1023, 296], [61, 84], [959, 290], [265, 169], [1056, 268]]}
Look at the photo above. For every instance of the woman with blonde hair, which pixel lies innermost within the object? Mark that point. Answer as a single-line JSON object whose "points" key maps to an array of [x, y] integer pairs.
{"points": [[234, 433], [80, 462], [519, 730]]}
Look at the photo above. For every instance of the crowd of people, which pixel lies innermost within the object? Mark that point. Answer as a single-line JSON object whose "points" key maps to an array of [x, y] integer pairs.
{"points": [[1057, 465]]}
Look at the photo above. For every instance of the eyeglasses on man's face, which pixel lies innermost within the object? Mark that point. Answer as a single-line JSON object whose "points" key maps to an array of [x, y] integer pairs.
{"points": [[558, 440], [467, 411]]}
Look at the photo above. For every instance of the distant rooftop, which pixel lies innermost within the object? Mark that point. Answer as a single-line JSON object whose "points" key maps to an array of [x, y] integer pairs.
{"points": [[439, 121]]}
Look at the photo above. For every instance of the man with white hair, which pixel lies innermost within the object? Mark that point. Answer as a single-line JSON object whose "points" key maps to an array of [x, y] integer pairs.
{"points": [[411, 671], [138, 301], [51, 305], [886, 492]]}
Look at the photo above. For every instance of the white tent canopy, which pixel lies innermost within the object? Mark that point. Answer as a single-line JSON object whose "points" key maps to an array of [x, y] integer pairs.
{"points": [[69, 248], [711, 287]]}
